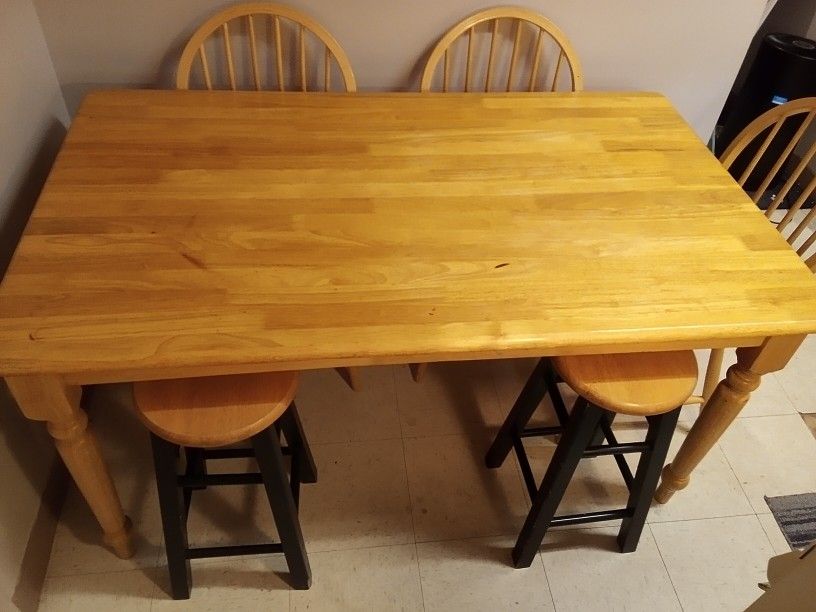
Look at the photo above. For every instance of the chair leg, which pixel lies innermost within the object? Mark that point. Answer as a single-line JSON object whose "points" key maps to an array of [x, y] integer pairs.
{"points": [[173, 516], [296, 439], [528, 400], [270, 460], [568, 453], [418, 371], [661, 428]]}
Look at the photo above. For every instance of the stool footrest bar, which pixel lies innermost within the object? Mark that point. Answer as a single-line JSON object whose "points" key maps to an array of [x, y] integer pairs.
{"points": [[591, 517], [616, 449], [196, 482], [529, 432], [233, 551]]}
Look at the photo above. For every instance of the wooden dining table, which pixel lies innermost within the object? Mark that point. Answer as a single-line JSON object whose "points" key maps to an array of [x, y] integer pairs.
{"points": [[186, 233]]}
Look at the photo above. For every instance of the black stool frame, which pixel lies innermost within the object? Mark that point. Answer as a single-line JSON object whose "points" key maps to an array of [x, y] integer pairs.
{"points": [[175, 493], [582, 436]]}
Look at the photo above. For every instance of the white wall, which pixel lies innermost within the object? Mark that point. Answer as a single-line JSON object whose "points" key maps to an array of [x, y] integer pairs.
{"points": [[690, 50], [32, 120]]}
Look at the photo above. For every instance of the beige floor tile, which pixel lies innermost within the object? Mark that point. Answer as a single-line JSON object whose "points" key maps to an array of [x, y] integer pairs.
{"points": [[797, 377], [471, 575], [384, 578], [226, 515], [510, 376], [769, 399], [771, 456], [129, 591], [78, 547], [714, 489], [777, 538], [598, 485], [810, 421], [332, 412], [715, 564], [125, 445], [453, 494], [360, 499], [236, 584], [452, 398], [587, 572]]}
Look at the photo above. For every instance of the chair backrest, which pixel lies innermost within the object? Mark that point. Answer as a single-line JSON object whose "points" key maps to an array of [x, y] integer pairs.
{"points": [[297, 53], [516, 50], [753, 147]]}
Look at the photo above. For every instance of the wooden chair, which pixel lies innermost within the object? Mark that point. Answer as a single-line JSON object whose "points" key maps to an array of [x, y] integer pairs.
{"points": [[230, 40], [526, 52], [653, 385], [202, 415], [516, 50], [752, 159], [237, 33]]}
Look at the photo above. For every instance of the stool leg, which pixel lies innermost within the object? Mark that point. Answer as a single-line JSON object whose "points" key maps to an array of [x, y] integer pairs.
{"points": [[600, 434], [661, 428], [270, 460], [576, 438], [173, 516], [534, 391], [551, 377], [296, 439]]}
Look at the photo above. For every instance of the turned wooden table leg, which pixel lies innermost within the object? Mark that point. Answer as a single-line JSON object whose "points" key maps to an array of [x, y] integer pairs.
{"points": [[723, 407], [46, 398]]}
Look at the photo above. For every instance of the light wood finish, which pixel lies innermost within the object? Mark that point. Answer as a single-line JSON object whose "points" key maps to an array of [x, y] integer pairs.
{"points": [[528, 33], [418, 371], [352, 377], [45, 398], [801, 236], [250, 19], [712, 375], [248, 13], [214, 410], [290, 249], [763, 130], [194, 233], [722, 408], [639, 384]]}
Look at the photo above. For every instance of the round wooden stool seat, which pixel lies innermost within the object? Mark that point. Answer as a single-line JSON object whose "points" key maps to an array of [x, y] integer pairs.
{"points": [[640, 384], [214, 410]]}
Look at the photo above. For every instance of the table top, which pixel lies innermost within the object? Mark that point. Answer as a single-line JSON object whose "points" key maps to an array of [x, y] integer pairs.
{"points": [[188, 233]]}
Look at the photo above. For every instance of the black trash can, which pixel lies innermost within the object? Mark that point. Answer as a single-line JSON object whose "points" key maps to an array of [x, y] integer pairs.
{"points": [[783, 70]]}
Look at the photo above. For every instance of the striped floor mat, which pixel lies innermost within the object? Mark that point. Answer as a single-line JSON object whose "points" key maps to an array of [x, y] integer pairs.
{"points": [[796, 516]]}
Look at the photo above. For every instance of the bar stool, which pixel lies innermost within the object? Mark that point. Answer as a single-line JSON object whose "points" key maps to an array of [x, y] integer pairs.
{"points": [[653, 385], [203, 415]]}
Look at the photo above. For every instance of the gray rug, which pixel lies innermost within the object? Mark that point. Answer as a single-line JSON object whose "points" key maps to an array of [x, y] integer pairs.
{"points": [[796, 516]]}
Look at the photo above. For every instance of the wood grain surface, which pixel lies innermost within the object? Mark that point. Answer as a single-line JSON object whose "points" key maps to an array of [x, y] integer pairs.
{"points": [[187, 233]]}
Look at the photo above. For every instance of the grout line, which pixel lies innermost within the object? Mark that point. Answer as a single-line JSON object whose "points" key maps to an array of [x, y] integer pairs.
{"points": [[408, 485], [547, 578], [768, 416], [734, 472], [419, 577], [700, 518], [666, 567]]}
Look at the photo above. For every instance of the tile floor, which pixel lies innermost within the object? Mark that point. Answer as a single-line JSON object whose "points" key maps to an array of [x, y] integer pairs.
{"points": [[406, 517]]}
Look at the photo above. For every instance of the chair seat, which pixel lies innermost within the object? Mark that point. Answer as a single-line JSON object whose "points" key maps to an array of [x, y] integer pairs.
{"points": [[215, 410], [640, 384]]}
